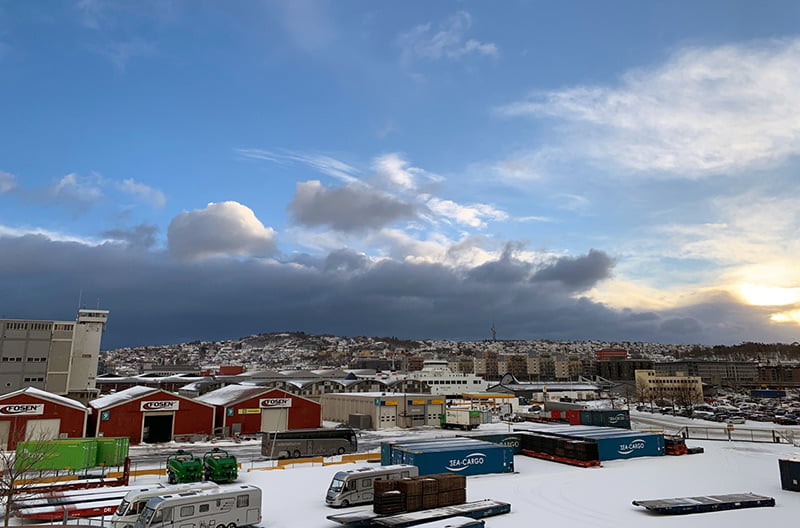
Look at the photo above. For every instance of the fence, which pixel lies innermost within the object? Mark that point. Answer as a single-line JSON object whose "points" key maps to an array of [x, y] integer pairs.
{"points": [[737, 434]]}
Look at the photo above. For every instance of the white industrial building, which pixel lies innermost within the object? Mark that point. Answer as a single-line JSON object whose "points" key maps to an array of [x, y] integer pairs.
{"points": [[386, 411], [59, 357]]}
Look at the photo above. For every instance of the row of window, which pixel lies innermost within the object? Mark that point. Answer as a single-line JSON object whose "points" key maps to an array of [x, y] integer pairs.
{"points": [[451, 382], [18, 359], [33, 379], [28, 326]]}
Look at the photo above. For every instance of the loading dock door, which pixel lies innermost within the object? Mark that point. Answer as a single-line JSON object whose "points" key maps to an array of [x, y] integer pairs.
{"points": [[157, 427], [42, 429], [275, 419]]}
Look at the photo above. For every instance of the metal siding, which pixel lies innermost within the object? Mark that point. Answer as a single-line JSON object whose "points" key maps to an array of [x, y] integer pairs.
{"points": [[73, 419], [612, 448], [438, 457]]}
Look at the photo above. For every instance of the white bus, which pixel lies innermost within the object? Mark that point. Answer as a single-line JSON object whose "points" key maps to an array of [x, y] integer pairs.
{"points": [[134, 502], [355, 486], [224, 507]]}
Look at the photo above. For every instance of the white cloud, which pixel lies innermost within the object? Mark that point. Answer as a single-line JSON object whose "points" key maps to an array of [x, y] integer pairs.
{"points": [[148, 194], [474, 215], [705, 111], [55, 236], [221, 229], [75, 190], [7, 182], [449, 41], [392, 170], [572, 202], [320, 162], [396, 171]]}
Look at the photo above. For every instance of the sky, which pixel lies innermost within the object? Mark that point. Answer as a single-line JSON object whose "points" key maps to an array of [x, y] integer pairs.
{"points": [[623, 171]]}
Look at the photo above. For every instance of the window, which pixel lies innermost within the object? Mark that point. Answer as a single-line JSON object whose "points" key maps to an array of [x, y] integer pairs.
{"points": [[203, 508], [366, 483], [187, 511], [242, 501]]}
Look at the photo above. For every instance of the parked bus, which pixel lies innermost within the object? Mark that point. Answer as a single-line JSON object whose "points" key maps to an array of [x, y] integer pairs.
{"points": [[135, 501], [355, 486], [297, 443], [224, 507]]}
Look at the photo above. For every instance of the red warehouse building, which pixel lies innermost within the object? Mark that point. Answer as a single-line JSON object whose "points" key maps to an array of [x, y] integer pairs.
{"points": [[244, 409], [149, 415], [33, 414], [611, 353]]}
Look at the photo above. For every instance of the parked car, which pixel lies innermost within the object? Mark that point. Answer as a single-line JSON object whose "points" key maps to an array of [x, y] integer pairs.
{"points": [[785, 420], [735, 420]]}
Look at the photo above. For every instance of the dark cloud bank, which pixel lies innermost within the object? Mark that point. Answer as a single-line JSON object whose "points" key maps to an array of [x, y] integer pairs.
{"points": [[156, 299]]}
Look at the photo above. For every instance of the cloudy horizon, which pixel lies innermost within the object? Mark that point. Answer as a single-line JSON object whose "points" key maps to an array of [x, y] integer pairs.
{"points": [[209, 172]]}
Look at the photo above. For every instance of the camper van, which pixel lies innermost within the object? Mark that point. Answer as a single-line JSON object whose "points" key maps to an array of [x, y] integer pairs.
{"points": [[355, 486], [134, 502], [226, 506]]}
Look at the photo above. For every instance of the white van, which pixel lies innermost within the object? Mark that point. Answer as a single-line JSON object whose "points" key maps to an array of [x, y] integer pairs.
{"points": [[224, 507], [355, 486], [135, 501]]}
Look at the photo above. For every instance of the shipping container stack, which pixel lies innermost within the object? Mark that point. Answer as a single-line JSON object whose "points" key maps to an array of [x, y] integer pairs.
{"points": [[674, 445], [600, 417], [419, 493], [570, 451]]}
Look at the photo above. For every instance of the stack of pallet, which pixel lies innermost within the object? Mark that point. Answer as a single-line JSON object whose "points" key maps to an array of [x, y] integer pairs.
{"points": [[559, 447], [419, 493]]}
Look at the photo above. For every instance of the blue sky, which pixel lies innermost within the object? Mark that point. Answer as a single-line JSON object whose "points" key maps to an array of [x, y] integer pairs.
{"points": [[564, 170]]}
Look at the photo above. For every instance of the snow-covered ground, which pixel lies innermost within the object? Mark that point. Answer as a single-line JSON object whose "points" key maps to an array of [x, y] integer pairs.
{"points": [[546, 493], [550, 494]]}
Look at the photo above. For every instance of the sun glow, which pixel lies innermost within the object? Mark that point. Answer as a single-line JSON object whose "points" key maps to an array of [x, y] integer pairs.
{"points": [[768, 295], [792, 316]]}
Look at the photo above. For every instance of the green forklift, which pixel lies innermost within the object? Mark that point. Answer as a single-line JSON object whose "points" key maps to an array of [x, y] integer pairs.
{"points": [[184, 467], [220, 466]]}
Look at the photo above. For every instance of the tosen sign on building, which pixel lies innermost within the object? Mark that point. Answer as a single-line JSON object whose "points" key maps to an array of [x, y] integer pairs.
{"points": [[16, 409], [159, 405], [272, 403]]}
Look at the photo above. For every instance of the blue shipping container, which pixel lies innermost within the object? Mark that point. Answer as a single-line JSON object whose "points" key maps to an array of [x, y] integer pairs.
{"points": [[630, 445], [606, 418], [464, 456], [511, 440]]}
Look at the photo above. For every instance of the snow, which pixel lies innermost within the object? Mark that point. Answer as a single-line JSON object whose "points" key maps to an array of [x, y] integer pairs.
{"points": [[116, 398], [559, 495], [33, 391], [554, 494], [230, 394], [544, 493]]}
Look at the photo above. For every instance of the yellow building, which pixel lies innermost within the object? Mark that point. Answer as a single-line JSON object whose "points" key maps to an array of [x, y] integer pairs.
{"points": [[681, 390]]}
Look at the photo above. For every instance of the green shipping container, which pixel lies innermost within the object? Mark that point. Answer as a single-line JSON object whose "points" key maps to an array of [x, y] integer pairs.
{"points": [[71, 454], [111, 451]]}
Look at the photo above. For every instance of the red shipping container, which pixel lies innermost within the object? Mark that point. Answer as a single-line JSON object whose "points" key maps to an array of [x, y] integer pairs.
{"points": [[574, 416], [556, 415]]}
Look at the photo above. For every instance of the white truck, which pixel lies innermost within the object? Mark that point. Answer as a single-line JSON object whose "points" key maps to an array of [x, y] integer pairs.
{"points": [[135, 501], [458, 418], [356, 485], [225, 507]]}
